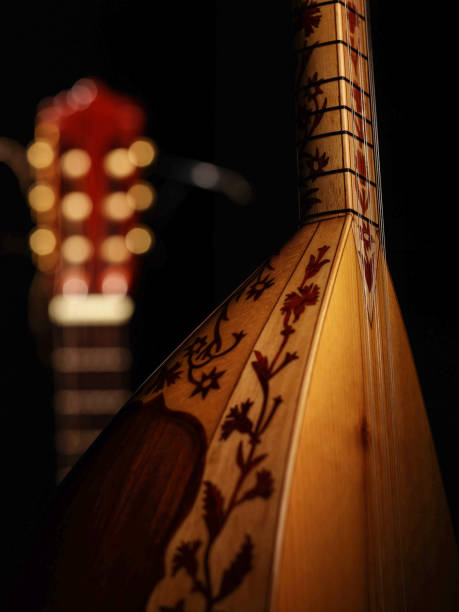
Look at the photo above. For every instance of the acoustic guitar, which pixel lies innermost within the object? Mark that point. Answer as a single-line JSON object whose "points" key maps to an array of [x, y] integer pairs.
{"points": [[280, 459], [87, 158]]}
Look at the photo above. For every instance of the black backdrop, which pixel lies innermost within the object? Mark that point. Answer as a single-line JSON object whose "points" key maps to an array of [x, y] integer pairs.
{"points": [[215, 80]]}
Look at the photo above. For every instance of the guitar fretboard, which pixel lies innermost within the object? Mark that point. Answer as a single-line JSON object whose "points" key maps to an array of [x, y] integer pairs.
{"points": [[92, 379]]}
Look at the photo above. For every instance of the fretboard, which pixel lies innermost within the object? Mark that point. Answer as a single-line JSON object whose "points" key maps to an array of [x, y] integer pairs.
{"points": [[92, 379], [335, 144]]}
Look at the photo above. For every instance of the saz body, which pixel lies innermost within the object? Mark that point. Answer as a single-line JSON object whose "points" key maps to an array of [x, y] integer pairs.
{"points": [[281, 458]]}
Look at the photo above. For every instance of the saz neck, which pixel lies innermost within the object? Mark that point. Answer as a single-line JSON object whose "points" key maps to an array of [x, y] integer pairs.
{"points": [[336, 147]]}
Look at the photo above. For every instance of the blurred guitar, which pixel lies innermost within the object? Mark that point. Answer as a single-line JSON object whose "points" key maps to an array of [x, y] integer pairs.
{"points": [[87, 158]]}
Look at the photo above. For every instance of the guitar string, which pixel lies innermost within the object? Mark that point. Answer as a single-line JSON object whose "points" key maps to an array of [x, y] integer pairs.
{"points": [[395, 482], [367, 373]]}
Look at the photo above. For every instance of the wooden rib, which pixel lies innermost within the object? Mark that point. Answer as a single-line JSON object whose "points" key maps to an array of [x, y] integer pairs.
{"points": [[260, 517], [355, 536]]}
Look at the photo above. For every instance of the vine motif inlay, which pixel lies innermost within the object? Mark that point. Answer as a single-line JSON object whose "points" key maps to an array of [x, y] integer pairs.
{"points": [[310, 105], [365, 234], [240, 419], [203, 350]]}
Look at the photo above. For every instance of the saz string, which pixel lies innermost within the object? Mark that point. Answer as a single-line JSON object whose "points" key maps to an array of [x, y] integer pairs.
{"points": [[383, 394], [386, 333], [377, 377], [367, 343], [375, 372]]}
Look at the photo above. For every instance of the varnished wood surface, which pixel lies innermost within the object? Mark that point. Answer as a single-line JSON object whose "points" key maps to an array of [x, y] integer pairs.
{"points": [[294, 483], [101, 547], [366, 522]]}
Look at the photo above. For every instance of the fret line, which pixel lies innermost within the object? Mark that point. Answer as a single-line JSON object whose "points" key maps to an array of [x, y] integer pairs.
{"points": [[68, 359], [343, 4], [339, 133], [331, 80], [325, 173], [333, 42], [339, 211], [340, 107]]}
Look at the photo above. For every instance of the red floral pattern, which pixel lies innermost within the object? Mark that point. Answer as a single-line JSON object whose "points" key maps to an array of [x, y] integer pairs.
{"points": [[310, 106], [239, 421], [366, 241], [306, 16]]}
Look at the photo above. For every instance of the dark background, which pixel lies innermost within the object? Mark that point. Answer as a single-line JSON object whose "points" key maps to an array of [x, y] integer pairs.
{"points": [[215, 80]]}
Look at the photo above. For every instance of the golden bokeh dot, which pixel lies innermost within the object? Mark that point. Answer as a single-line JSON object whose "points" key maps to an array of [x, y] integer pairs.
{"points": [[117, 164], [113, 249], [41, 197], [76, 206], [118, 206], [139, 239], [42, 241], [76, 249], [75, 163], [142, 195], [142, 152], [40, 154]]}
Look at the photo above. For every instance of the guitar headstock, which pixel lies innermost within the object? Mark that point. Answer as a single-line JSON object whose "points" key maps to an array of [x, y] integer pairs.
{"points": [[88, 156]]}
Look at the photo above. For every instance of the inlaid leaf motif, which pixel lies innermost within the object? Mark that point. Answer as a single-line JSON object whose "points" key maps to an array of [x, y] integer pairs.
{"points": [[249, 483], [241, 565], [263, 488], [185, 557], [306, 16], [315, 263], [213, 509], [237, 420], [168, 376], [261, 367], [295, 303]]}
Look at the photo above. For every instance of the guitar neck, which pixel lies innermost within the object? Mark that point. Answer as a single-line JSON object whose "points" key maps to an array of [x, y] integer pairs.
{"points": [[87, 158], [91, 366]]}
